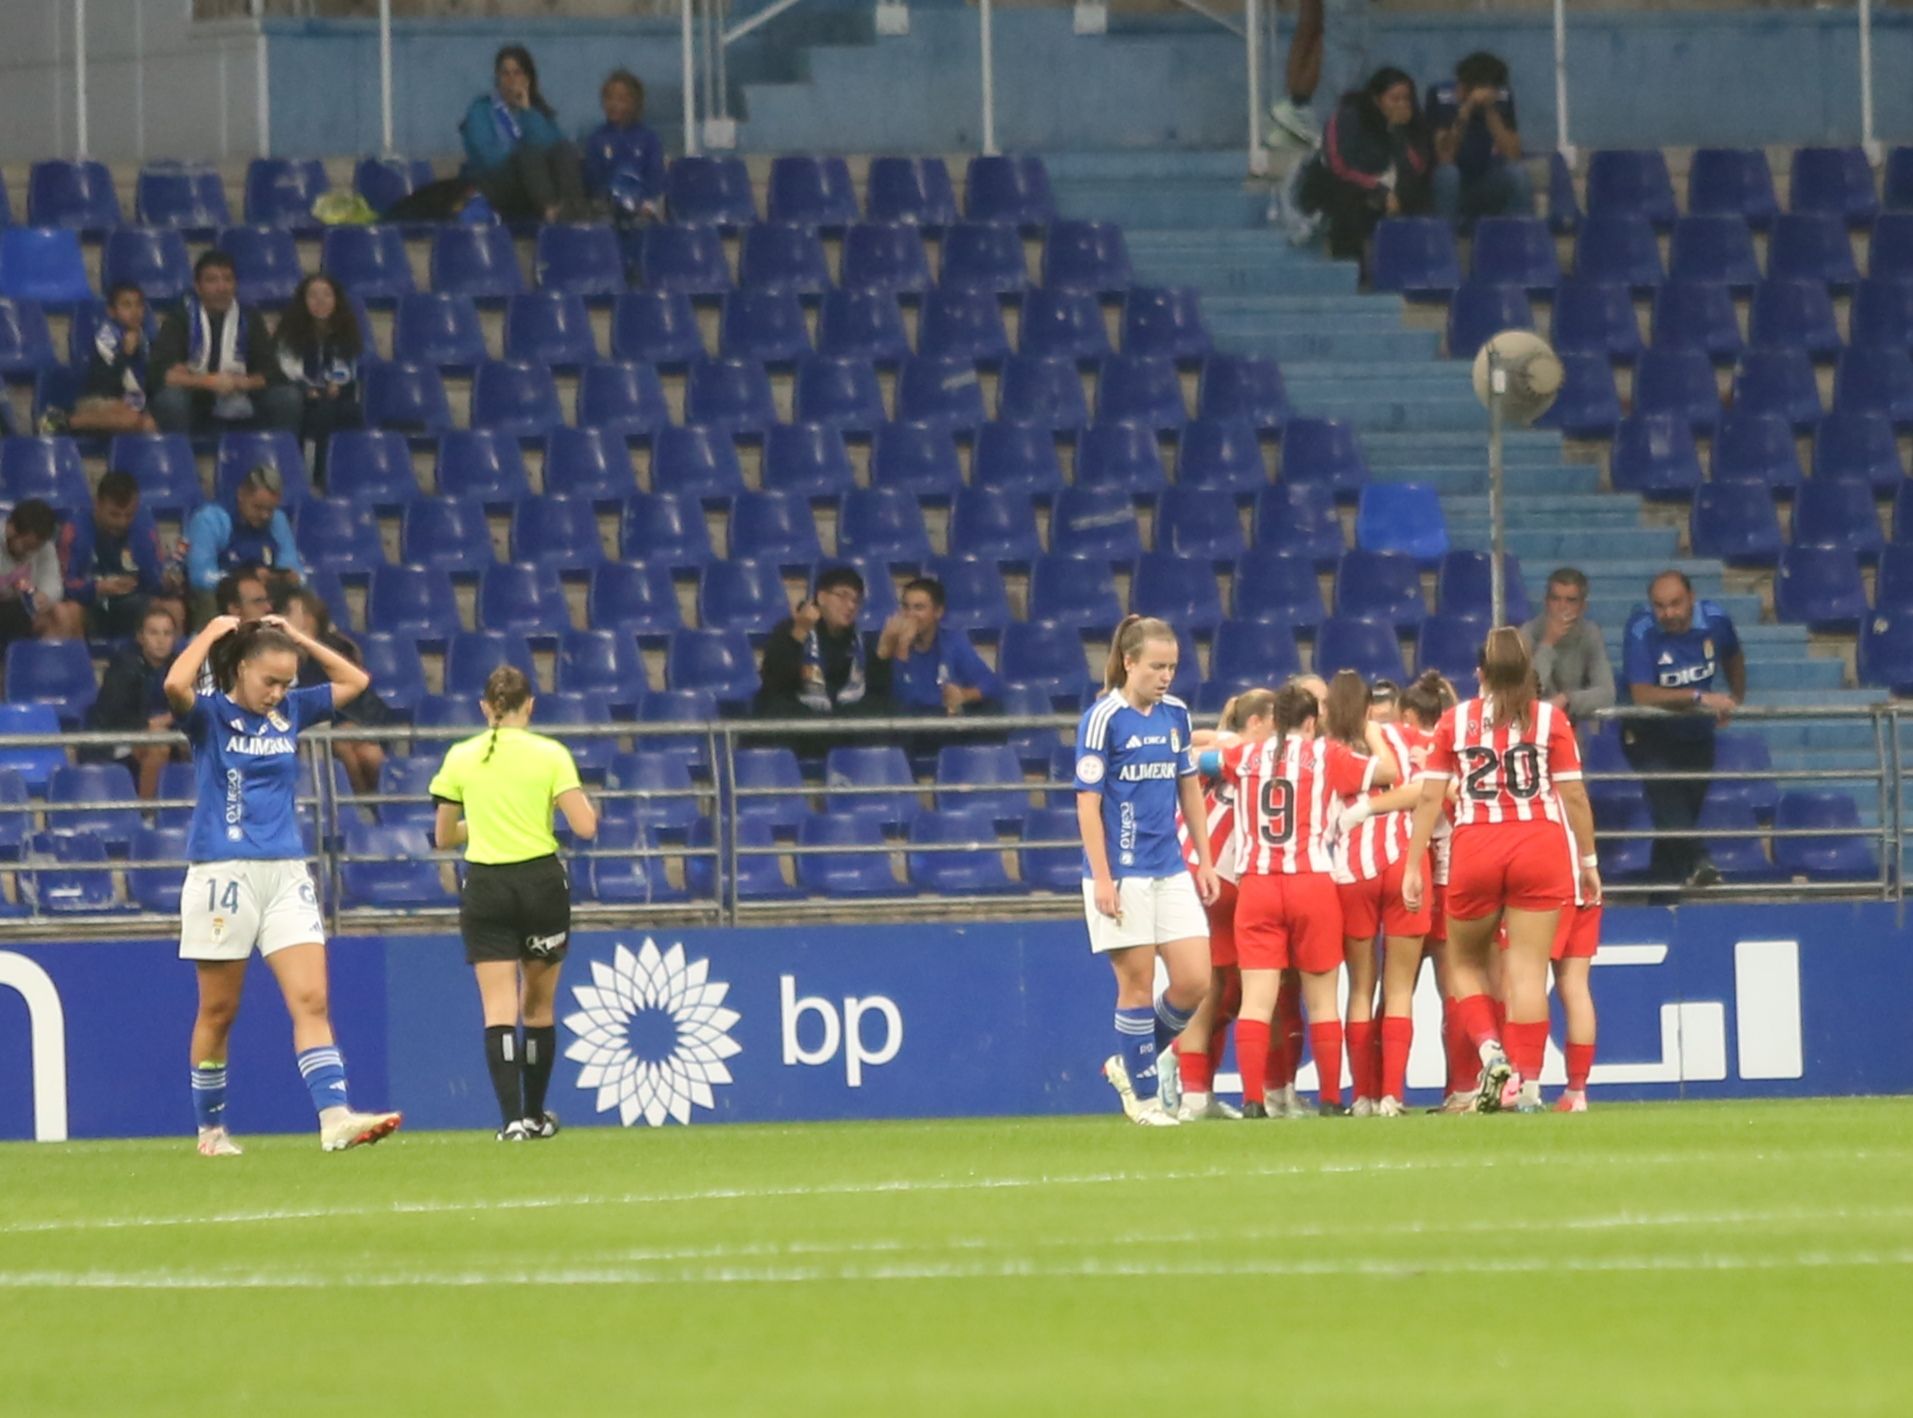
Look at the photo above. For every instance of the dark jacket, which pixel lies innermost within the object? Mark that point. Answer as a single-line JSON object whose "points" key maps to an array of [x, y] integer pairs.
{"points": [[132, 692], [1358, 148], [172, 344], [782, 674]]}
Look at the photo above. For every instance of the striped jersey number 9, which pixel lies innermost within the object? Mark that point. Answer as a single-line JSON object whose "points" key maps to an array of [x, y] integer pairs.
{"points": [[1278, 814], [1487, 772]]}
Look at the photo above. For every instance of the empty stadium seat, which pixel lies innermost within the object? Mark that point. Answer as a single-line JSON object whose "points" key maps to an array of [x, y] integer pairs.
{"points": [[1299, 517], [476, 261], [1750, 446], [870, 766], [941, 391], [1516, 251], [655, 327], [1278, 588], [1010, 188], [741, 594], [753, 872], [157, 889], [1141, 387], [1732, 181], [1736, 858], [549, 327], [984, 258], [689, 259], [1086, 256], [265, 261], [1858, 445], [1595, 317], [664, 798], [1714, 248], [774, 527], [1120, 456], [1405, 517], [634, 597], [57, 673], [770, 787], [78, 195], [412, 600], [96, 799], [369, 261], [1051, 868], [1222, 455], [166, 471], [1072, 591], [1452, 644], [1736, 522], [605, 664], [1165, 320], [815, 191], [958, 873], [1416, 257], [887, 256], [1655, 455], [1794, 314], [1243, 386], [734, 394], [26, 344], [807, 460], [1780, 382], [1588, 404], [858, 871], [153, 258], [438, 329], [913, 190], [1876, 381], [393, 662], [1063, 321], [591, 752], [471, 655], [1618, 248], [783, 256], [1897, 181], [1630, 857], [447, 533], [1835, 181], [1890, 252], [698, 461], [16, 815], [1681, 382], [1480, 310], [920, 458], [1630, 181], [557, 532], [1811, 246], [338, 534], [1044, 653], [973, 765], [710, 190], [1697, 315], [22, 714], [44, 265], [1380, 585], [588, 463], [581, 259], [1017, 457], [50, 469], [387, 868], [994, 524], [1255, 651], [763, 325], [1179, 589], [1045, 390], [862, 324], [1838, 512], [1095, 521], [71, 889], [1882, 313], [1820, 586], [1838, 855], [280, 192], [406, 397], [883, 523], [976, 601], [666, 529], [485, 464], [962, 322], [409, 777], [1463, 586], [1369, 647], [1885, 654], [622, 399], [384, 182]]}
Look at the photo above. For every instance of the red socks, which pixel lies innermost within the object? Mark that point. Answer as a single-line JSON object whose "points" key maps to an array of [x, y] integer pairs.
{"points": [[1325, 1042], [1397, 1036], [1527, 1046], [1501, 1018], [1580, 1062], [1475, 1020], [1362, 1062], [1252, 1057], [1198, 1070]]}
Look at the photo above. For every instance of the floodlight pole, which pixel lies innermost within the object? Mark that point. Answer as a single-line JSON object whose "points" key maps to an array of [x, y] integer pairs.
{"points": [[1497, 588]]}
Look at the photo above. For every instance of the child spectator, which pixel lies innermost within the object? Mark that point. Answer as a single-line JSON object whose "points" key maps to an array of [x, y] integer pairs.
{"points": [[320, 345], [624, 160], [113, 398], [133, 696]]}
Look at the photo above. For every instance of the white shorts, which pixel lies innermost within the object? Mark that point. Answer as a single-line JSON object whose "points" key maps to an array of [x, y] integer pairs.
{"points": [[228, 908], [1155, 909]]}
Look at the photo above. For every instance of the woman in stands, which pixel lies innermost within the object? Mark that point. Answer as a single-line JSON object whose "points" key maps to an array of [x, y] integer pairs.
{"points": [[319, 344], [1376, 161], [248, 887], [1521, 822], [515, 153], [1135, 767]]}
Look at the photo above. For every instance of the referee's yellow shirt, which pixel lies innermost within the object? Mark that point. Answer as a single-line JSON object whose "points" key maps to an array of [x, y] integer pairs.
{"points": [[508, 799]]}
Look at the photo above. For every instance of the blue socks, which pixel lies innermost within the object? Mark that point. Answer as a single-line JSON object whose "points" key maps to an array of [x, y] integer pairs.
{"points": [[1136, 1042], [323, 1069], [209, 1095], [1170, 1022]]}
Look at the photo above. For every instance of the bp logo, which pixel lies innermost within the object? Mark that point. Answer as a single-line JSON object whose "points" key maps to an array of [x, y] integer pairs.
{"points": [[652, 1034]]}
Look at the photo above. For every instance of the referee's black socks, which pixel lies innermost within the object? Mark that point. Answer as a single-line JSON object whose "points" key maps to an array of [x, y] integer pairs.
{"points": [[503, 1059], [541, 1044]]}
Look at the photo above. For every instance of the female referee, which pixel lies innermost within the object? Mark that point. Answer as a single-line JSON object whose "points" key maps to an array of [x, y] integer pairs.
{"points": [[248, 886], [1134, 766], [515, 909]]}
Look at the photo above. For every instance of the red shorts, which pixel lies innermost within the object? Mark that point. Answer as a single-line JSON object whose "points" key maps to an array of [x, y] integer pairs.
{"points": [[1375, 906], [1285, 922], [1525, 865], [1579, 934], [1222, 926]]}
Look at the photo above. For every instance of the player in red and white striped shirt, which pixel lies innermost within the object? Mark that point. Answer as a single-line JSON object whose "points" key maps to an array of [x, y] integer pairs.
{"points": [[1521, 818], [1290, 792]]}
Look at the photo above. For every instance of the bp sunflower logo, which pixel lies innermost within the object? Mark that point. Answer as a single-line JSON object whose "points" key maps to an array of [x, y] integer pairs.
{"points": [[652, 1034]]}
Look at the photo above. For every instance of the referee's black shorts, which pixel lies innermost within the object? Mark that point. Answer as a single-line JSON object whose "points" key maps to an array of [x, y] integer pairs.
{"points": [[516, 911]]}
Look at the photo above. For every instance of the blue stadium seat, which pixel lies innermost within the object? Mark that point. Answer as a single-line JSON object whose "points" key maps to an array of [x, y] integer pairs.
{"points": [[265, 261], [663, 779], [984, 256], [16, 819], [664, 529], [886, 256], [858, 871], [884, 524], [1480, 310], [1278, 588], [1462, 586], [689, 259], [57, 673], [1243, 386], [715, 659], [1255, 652], [1044, 390], [1812, 246], [167, 473], [1010, 188], [1876, 381], [1065, 322], [1655, 455], [472, 655], [1416, 257], [337, 534], [763, 325], [1890, 252], [556, 532], [241, 452], [71, 889], [783, 256], [75, 798], [1631, 857], [1732, 181], [1697, 315], [1756, 447], [1167, 321], [710, 190], [1017, 457], [447, 533], [1299, 517], [1882, 313], [591, 752], [1403, 517], [774, 527], [1781, 382], [1588, 404], [1452, 644], [1736, 522], [1885, 655], [175, 781], [1564, 207], [1838, 512], [1072, 591], [1047, 654], [395, 667], [754, 871], [410, 777], [1836, 181], [655, 327], [1141, 387], [1832, 857], [1120, 456], [1516, 251], [43, 264], [280, 192], [1737, 859], [940, 391], [622, 399], [477, 261], [994, 524], [635, 598], [1621, 249], [1087, 256], [1681, 382], [406, 397], [388, 868], [815, 191], [1714, 248], [588, 463], [445, 711], [958, 873], [977, 603], [1380, 585], [962, 322], [1858, 445], [870, 766], [384, 182], [549, 327], [973, 765], [1897, 181], [919, 458], [183, 197], [22, 714], [1095, 521], [1742, 751], [1820, 586], [604, 663], [1222, 455], [733, 394], [1596, 317], [1794, 314], [153, 258], [862, 324], [436, 329], [913, 190], [581, 259], [1630, 181], [1325, 452], [369, 261], [77, 195], [412, 600], [770, 783], [515, 398], [742, 594], [50, 469], [1369, 647], [1051, 868], [807, 460], [483, 464], [697, 460], [157, 889]]}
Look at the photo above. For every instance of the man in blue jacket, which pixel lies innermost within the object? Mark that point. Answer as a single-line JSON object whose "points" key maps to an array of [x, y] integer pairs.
{"points": [[110, 561], [251, 532], [932, 672]]}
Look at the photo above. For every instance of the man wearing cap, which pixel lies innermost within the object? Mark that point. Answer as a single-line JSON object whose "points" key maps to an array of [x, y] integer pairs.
{"points": [[250, 531]]}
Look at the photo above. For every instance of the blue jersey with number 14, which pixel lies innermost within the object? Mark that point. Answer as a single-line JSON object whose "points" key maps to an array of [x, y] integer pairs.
{"points": [[1136, 760], [246, 776]]}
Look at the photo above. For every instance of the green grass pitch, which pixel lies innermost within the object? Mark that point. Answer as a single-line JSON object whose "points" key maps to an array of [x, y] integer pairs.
{"points": [[1744, 1260]]}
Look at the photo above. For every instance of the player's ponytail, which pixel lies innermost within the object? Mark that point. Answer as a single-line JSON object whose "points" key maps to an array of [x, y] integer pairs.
{"points": [[248, 642], [1507, 676], [1250, 704], [1125, 644], [1345, 710], [1428, 698], [507, 690]]}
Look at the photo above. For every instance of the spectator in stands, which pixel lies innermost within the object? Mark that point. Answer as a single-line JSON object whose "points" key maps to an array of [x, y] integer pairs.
{"points": [[1292, 115], [1375, 162], [514, 151], [935, 673], [243, 595], [307, 614], [251, 532], [320, 345], [113, 398], [133, 697], [1478, 169], [1675, 651], [817, 662], [1570, 654], [624, 160], [213, 367], [32, 593], [110, 561]]}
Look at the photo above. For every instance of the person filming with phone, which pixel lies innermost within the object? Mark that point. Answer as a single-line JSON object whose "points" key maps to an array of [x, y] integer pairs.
{"points": [[818, 662]]}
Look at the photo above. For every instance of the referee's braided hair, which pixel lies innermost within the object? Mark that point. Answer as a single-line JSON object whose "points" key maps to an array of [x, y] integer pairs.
{"points": [[248, 642], [506, 690]]}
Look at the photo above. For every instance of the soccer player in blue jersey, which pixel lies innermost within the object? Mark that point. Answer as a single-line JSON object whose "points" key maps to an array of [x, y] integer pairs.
{"points": [[248, 886], [1135, 765]]}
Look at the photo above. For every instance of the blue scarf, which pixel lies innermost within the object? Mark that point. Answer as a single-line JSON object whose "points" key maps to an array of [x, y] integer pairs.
{"points": [[320, 367], [106, 343], [199, 334], [509, 128], [814, 693]]}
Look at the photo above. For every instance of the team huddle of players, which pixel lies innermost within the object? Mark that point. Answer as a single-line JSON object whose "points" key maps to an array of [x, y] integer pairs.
{"points": [[1342, 830]]}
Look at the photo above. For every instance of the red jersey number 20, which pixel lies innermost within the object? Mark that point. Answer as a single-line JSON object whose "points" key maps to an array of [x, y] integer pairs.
{"points": [[1485, 772], [1278, 812]]}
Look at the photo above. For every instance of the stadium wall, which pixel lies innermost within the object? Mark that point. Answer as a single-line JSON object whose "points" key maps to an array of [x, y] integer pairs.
{"points": [[783, 1024]]}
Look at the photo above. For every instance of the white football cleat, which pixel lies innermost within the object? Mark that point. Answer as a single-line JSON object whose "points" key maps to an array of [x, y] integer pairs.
{"points": [[1390, 1108], [1116, 1072], [1496, 1075], [1571, 1102], [1286, 1103], [217, 1142], [352, 1129], [1169, 1079], [1362, 1108], [1149, 1113]]}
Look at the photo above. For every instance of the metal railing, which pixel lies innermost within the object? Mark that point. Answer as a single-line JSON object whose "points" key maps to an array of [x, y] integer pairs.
{"points": [[724, 802]]}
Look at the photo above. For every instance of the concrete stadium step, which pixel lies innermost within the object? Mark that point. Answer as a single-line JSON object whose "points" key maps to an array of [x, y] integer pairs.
{"points": [[1197, 205], [1299, 310], [1815, 735], [1373, 411], [1258, 335], [1610, 608], [1600, 509], [1768, 637], [1148, 164], [1582, 546], [1473, 482], [1411, 378], [1213, 277], [1525, 448]]}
